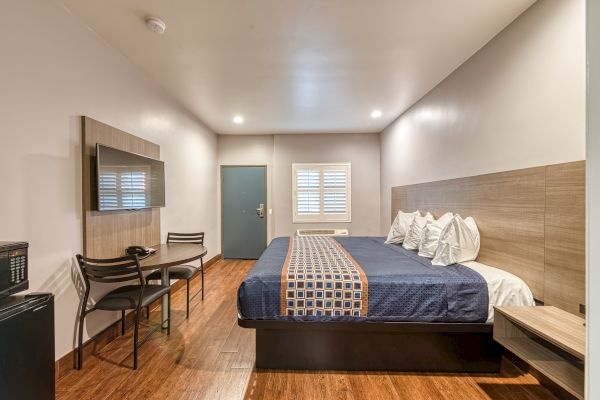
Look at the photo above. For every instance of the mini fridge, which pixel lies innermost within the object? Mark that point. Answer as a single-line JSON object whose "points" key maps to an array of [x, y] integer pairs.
{"points": [[27, 347]]}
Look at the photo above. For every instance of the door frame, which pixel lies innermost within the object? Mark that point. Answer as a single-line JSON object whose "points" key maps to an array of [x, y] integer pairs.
{"points": [[222, 167]]}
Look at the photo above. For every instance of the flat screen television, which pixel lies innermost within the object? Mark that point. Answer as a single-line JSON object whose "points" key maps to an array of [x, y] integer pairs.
{"points": [[128, 181]]}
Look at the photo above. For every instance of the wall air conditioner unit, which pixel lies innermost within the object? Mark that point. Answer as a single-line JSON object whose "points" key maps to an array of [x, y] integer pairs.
{"points": [[322, 232]]}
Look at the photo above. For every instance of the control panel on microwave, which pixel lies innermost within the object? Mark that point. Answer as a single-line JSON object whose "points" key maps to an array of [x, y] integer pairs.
{"points": [[13, 267]]}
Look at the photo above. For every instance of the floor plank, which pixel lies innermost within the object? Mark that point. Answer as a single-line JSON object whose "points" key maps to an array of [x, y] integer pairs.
{"points": [[210, 357]]}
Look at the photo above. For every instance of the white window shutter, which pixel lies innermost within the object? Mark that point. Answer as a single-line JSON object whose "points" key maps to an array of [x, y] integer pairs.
{"points": [[321, 192], [308, 185], [334, 203], [308, 203], [334, 190], [334, 178], [308, 179]]}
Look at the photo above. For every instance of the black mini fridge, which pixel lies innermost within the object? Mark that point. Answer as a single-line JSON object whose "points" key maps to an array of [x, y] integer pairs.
{"points": [[27, 347]]}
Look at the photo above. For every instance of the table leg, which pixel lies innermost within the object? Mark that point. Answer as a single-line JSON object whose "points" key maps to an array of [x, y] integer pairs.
{"points": [[164, 278]]}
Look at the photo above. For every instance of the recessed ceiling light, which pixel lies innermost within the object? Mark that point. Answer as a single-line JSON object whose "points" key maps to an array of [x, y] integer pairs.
{"points": [[238, 119], [156, 25], [376, 114]]}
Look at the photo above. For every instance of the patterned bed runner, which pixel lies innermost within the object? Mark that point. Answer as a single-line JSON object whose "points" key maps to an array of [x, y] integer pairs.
{"points": [[320, 278]]}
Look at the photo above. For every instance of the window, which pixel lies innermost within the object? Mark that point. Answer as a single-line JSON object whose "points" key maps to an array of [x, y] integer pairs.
{"points": [[321, 192]]}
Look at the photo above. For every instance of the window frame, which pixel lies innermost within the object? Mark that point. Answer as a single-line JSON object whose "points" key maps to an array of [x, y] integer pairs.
{"points": [[322, 217]]}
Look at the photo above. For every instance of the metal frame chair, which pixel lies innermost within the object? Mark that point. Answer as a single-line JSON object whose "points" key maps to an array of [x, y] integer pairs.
{"points": [[128, 297], [187, 272]]}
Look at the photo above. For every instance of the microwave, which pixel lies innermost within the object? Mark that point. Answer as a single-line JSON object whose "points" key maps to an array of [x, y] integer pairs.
{"points": [[13, 268]]}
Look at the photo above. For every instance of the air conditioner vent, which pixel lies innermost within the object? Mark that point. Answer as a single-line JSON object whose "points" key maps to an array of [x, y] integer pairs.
{"points": [[322, 232]]}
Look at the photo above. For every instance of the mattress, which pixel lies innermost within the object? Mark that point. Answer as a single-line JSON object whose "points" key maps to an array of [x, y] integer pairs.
{"points": [[398, 285]]}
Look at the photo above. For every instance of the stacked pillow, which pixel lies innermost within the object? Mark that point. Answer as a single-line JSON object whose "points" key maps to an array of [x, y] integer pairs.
{"points": [[459, 242], [415, 231], [431, 235], [448, 240], [400, 227]]}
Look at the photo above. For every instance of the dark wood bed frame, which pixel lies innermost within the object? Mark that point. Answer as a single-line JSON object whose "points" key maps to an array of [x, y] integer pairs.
{"points": [[517, 213], [375, 346]]}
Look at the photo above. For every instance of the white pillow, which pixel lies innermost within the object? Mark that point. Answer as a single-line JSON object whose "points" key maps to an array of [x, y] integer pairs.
{"points": [[400, 227], [431, 235], [459, 242], [413, 236]]}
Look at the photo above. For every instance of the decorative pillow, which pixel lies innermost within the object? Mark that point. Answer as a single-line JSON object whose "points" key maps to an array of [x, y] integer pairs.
{"points": [[431, 235], [459, 242], [413, 236], [400, 227]]}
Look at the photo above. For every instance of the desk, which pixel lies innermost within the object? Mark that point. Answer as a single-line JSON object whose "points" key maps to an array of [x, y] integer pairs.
{"points": [[170, 255]]}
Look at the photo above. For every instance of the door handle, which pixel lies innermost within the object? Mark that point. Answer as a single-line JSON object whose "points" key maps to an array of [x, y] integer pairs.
{"points": [[260, 211]]}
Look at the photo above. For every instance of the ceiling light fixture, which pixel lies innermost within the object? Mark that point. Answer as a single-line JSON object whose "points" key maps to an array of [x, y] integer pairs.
{"points": [[238, 119], [156, 25], [376, 114]]}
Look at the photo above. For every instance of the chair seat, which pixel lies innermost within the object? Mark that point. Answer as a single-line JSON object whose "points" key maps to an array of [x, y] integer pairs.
{"points": [[126, 297], [178, 272]]}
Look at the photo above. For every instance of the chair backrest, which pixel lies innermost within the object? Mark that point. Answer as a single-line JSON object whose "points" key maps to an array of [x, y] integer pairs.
{"points": [[110, 270], [193, 238]]}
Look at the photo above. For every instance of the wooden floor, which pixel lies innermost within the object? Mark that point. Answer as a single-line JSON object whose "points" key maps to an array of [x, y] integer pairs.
{"points": [[210, 357]]}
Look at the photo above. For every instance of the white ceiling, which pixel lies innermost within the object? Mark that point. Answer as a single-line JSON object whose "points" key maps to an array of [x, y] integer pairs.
{"points": [[298, 66]]}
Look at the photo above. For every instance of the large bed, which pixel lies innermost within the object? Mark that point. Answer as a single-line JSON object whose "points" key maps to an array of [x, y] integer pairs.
{"points": [[358, 303], [416, 317]]}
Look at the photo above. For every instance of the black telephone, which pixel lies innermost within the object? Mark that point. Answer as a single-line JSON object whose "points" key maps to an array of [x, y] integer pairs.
{"points": [[141, 251]]}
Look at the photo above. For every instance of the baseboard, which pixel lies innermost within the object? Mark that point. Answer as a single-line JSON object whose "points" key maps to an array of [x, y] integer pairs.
{"points": [[67, 363]]}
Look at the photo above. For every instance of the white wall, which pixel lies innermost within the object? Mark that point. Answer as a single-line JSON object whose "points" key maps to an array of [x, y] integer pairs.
{"points": [[592, 367], [53, 71], [518, 102], [278, 152]]}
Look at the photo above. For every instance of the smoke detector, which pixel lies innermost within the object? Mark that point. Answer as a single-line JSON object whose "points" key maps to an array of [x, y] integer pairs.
{"points": [[156, 25]]}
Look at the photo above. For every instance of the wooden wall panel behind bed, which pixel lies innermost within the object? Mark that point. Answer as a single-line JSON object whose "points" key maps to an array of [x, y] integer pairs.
{"points": [[531, 223], [565, 236]]}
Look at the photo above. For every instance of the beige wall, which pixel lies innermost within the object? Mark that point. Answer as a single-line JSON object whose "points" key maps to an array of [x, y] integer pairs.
{"points": [[278, 152], [518, 102], [53, 71]]}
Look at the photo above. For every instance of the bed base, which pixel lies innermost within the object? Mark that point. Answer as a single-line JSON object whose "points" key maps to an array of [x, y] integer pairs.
{"points": [[375, 346]]}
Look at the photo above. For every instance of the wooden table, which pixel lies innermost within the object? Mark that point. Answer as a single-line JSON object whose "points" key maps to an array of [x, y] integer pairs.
{"points": [[170, 255]]}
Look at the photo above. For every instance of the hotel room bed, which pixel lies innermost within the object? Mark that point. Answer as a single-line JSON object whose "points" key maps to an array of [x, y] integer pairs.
{"points": [[402, 287], [411, 316]]}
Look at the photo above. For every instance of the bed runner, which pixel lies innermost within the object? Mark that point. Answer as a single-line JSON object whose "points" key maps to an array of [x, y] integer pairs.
{"points": [[320, 278]]}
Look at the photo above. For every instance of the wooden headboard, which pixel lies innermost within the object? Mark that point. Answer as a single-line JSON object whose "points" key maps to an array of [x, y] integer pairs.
{"points": [[531, 221]]}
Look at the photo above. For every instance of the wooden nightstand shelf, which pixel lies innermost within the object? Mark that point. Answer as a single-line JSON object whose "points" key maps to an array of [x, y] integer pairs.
{"points": [[549, 339]]}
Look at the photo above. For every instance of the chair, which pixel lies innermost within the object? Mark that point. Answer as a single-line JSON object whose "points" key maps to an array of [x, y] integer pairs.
{"points": [[129, 297], [186, 272]]}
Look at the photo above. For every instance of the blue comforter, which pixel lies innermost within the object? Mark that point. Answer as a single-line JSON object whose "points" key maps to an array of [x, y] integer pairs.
{"points": [[402, 286]]}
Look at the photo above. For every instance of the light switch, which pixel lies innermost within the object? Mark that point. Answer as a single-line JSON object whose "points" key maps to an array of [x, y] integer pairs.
{"points": [[270, 211]]}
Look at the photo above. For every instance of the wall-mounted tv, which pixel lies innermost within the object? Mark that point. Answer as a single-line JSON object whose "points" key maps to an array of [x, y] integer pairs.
{"points": [[128, 181]]}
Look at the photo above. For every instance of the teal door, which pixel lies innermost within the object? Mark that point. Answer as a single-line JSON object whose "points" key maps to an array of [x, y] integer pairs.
{"points": [[244, 212]]}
